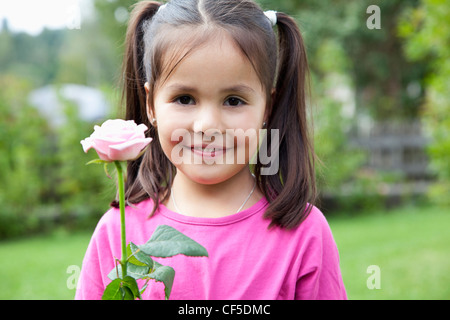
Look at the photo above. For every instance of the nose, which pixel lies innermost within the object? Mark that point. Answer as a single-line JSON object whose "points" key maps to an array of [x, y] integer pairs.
{"points": [[208, 121]]}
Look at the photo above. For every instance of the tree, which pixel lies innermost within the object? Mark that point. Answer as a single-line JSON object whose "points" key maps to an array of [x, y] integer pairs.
{"points": [[382, 76], [427, 33], [22, 142]]}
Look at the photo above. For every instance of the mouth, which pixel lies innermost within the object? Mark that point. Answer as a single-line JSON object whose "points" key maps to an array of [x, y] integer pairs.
{"points": [[208, 151]]}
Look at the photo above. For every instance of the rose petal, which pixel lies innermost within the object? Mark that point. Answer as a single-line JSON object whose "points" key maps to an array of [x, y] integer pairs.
{"points": [[142, 127], [104, 156], [87, 144], [102, 146], [128, 150], [117, 139], [119, 130]]}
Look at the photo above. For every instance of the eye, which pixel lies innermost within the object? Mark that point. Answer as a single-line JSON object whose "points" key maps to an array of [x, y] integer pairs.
{"points": [[185, 100], [234, 102]]}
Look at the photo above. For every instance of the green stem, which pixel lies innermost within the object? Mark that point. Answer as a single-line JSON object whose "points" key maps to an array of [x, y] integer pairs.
{"points": [[120, 181]]}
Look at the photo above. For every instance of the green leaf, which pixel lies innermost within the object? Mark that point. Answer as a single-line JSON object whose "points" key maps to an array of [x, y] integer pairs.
{"points": [[167, 242], [126, 293], [136, 272], [130, 283], [106, 170], [143, 288], [113, 290], [115, 272], [164, 274], [137, 257], [118, 289], [97, 161]]}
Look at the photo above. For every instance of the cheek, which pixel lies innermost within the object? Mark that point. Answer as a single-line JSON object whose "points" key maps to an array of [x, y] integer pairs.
{"points": [[249, 125], [246, 144], [167, 122], [173, 141], [166, 135]]}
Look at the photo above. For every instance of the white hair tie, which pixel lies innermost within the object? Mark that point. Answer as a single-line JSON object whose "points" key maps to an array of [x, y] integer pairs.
{"points": [[272, 16], [161, 7]]}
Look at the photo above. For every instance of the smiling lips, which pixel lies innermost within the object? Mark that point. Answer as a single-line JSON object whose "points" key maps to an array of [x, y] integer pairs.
{"points": [[208, 151]]}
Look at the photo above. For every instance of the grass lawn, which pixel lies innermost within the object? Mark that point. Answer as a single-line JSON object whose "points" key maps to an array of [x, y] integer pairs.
{"points": [[410, 246], [37, 268]]}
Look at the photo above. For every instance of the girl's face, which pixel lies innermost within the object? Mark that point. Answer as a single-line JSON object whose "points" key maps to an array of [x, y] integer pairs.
{"points": [[209, 111]]}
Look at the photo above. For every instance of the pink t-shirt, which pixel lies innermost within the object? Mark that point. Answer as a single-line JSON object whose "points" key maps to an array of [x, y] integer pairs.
{"points": [[247, 261]]}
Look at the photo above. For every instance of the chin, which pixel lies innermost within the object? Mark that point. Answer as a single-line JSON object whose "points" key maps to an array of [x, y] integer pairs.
{"points": [[210, 174]]}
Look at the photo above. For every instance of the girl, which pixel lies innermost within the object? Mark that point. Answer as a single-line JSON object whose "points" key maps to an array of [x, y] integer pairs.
{"points": [[206, 76]]}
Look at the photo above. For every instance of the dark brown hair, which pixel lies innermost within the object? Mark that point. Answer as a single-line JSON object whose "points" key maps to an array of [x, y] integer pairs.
{"points": [[280, 62]]}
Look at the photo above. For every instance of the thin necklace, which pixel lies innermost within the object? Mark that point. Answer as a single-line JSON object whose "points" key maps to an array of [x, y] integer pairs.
{"points": [[240, 208]]}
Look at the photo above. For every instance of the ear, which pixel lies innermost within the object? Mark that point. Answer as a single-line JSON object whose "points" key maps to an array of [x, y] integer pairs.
{"points": [[149, 108]]}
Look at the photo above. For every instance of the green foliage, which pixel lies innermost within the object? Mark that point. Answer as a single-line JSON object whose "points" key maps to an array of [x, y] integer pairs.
{"points": [[427, 33], [164, 242], [44, 177], [79, 185], [339, 160], [112, 23], [33, 57], [340, 173], [379, 71], [24, 137], [85, 57]]}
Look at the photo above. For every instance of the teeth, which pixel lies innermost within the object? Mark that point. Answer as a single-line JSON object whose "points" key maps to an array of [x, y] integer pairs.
{"points": [[206, 149]]}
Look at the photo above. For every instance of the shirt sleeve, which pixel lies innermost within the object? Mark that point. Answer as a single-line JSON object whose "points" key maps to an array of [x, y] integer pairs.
{"points": [[97, 262], [320, 276]]}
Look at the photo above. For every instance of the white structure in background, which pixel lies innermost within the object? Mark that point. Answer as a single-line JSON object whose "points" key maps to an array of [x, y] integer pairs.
{"points": [[49, 100]]}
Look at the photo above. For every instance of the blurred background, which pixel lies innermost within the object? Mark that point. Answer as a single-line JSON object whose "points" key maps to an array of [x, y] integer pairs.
{"points": [[381, 108]]}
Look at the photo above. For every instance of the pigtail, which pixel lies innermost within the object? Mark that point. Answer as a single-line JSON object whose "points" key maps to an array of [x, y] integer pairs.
{"points": [[291, 192], [133, 92], [133, 69]]}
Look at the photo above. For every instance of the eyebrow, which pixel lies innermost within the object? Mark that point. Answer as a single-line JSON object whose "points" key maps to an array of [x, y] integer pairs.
{"points": [[240, 88]]}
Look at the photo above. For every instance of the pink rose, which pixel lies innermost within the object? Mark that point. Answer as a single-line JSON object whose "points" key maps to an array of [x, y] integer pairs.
{"points": [[117, 140]]}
